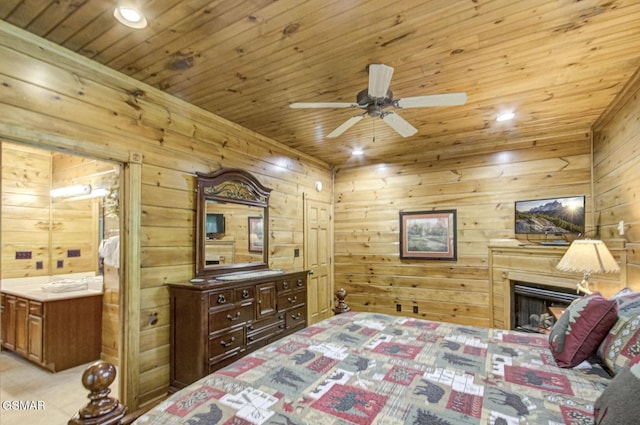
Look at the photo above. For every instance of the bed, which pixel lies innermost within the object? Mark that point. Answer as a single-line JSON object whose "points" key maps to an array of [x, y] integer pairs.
{"points": [[371, 368], [365, 368]]}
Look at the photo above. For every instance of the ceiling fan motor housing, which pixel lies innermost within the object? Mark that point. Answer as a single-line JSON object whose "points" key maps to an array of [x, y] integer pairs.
{"points": [[373, 105]]}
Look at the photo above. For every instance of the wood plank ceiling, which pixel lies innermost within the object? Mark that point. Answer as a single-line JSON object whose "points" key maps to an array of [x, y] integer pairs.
{"points": [[556, 63]]}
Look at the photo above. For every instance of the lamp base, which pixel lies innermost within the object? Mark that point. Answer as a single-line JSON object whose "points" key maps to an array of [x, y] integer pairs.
{"points": [[584, 286]]}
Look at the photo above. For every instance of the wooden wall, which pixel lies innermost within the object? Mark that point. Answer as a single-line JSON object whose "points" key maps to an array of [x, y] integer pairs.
{"points": [[617, 174], [481, 185], [47, 227], [53, 98], [26, 211]]}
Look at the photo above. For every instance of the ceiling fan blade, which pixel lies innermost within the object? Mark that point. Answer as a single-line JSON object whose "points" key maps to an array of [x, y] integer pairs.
{"points": [[300, 105], [446, 99], [345, 126], [399, 124], [379, 80]]}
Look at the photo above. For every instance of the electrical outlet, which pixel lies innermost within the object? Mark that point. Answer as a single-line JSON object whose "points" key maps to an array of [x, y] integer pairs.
{"points": [[296, 252], [398, 307], [39, 265], [23, 255], [60, 264], [415, 309]]}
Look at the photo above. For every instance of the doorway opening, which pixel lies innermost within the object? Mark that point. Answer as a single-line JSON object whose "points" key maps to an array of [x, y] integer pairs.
{"points": [[61, 224]]}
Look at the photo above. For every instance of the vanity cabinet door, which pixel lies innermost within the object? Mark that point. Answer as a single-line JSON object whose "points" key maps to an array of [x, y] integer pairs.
{"points": [[34, 325], [34, 331], [9, 321], [22, 312]]}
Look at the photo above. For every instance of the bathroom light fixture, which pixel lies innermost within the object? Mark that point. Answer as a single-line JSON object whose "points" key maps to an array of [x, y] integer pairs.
{"points": [[69, 191], [130, 16], [506, 116], [357, 152], [99, 192]]}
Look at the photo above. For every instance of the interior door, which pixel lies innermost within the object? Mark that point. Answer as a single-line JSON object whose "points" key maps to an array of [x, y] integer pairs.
{"points": [[318, 260]]}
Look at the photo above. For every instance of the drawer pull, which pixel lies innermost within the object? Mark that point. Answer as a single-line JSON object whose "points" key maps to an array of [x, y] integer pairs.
{"points": [[221, 299], [251, 338], [281, 317], [292, 299], [296, 316], [300, 282], [236, 317], [285, 285], [281, 326], [245, 294], [227, 344]]}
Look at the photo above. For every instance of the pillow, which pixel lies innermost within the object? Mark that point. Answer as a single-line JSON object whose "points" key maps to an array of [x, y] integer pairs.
{"points": [[622, 293], [629, 304], [618, 403], [621, 344], [623, 340], [581, 329]]}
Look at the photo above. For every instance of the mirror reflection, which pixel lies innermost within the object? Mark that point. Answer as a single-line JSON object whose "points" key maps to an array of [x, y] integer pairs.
{"points": [[232, 223], [233, 234]]}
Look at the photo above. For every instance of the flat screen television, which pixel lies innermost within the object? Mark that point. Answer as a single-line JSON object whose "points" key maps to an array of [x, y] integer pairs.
{"points": [[553, 216], [214, 225]]}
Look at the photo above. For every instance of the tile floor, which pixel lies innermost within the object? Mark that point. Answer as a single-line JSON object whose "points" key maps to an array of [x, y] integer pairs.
{"points": [[59, 395]]}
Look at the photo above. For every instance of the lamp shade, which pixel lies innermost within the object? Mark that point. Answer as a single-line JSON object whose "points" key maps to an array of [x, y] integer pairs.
{"points": [[588, 256]]}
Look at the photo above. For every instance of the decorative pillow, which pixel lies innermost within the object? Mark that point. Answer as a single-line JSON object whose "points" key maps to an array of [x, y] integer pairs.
{"points": [[618, 403], [581, 329], [621, 344], [623, 341], [622, 293], [629, 304]]}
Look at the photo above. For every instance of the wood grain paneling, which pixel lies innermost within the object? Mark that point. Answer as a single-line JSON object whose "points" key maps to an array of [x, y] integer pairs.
{"points": [[81, 107], [26, 211], [558, 63], [481, 186], [617, 174]]}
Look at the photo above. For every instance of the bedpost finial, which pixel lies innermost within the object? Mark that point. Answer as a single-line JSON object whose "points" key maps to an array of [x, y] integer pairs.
{"points": [[97, 378]]}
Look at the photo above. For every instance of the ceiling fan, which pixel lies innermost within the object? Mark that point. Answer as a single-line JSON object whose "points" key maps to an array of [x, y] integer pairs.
{"points": [[377, 97]]}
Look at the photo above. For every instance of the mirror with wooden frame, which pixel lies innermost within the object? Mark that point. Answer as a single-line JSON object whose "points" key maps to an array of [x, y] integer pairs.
{"points": [[232, 223]]}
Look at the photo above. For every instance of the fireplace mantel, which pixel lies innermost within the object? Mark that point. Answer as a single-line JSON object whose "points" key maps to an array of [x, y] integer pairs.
{"points": [[511, 260]]}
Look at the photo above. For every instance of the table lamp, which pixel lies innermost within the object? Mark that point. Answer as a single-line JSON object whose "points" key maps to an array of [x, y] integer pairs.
{"points": [[588, 256]]}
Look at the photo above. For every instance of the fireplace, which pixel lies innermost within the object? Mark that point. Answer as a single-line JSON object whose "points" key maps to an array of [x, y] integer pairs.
{"points": [[533, 305]]}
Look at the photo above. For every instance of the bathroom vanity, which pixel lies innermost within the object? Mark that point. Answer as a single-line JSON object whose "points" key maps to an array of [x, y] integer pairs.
{"points": [[54, 330]]}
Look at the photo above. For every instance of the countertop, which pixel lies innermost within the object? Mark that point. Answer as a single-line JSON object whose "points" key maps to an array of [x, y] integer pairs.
{"points": [[31, 288]]}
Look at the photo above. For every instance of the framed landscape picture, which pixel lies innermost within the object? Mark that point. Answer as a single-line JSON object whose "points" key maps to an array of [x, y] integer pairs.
{"points": [[255, 234], [428, 235]]}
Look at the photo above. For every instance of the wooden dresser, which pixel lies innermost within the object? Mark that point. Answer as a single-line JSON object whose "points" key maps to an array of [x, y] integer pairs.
{"points": [[216, 323]]}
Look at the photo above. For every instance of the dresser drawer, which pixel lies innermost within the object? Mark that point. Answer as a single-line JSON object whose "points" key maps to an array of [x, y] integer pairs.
{"points": [[290, 284], [243, 294], [296, 317], [264, 323], [225, 343], [291, 300], [221, 298], [227, 318], [265, 332]]}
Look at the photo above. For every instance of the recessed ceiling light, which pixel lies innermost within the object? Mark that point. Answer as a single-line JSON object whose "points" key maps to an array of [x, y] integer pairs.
{"points": [[357, 152], [130, 16], [506, 116]]}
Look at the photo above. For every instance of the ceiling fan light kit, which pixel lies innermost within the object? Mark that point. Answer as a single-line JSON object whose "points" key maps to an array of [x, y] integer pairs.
{"points": [[377, 97]]}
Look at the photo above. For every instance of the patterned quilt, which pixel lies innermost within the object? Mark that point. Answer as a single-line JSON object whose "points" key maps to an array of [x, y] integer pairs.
{"points": [[369, 368]]}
